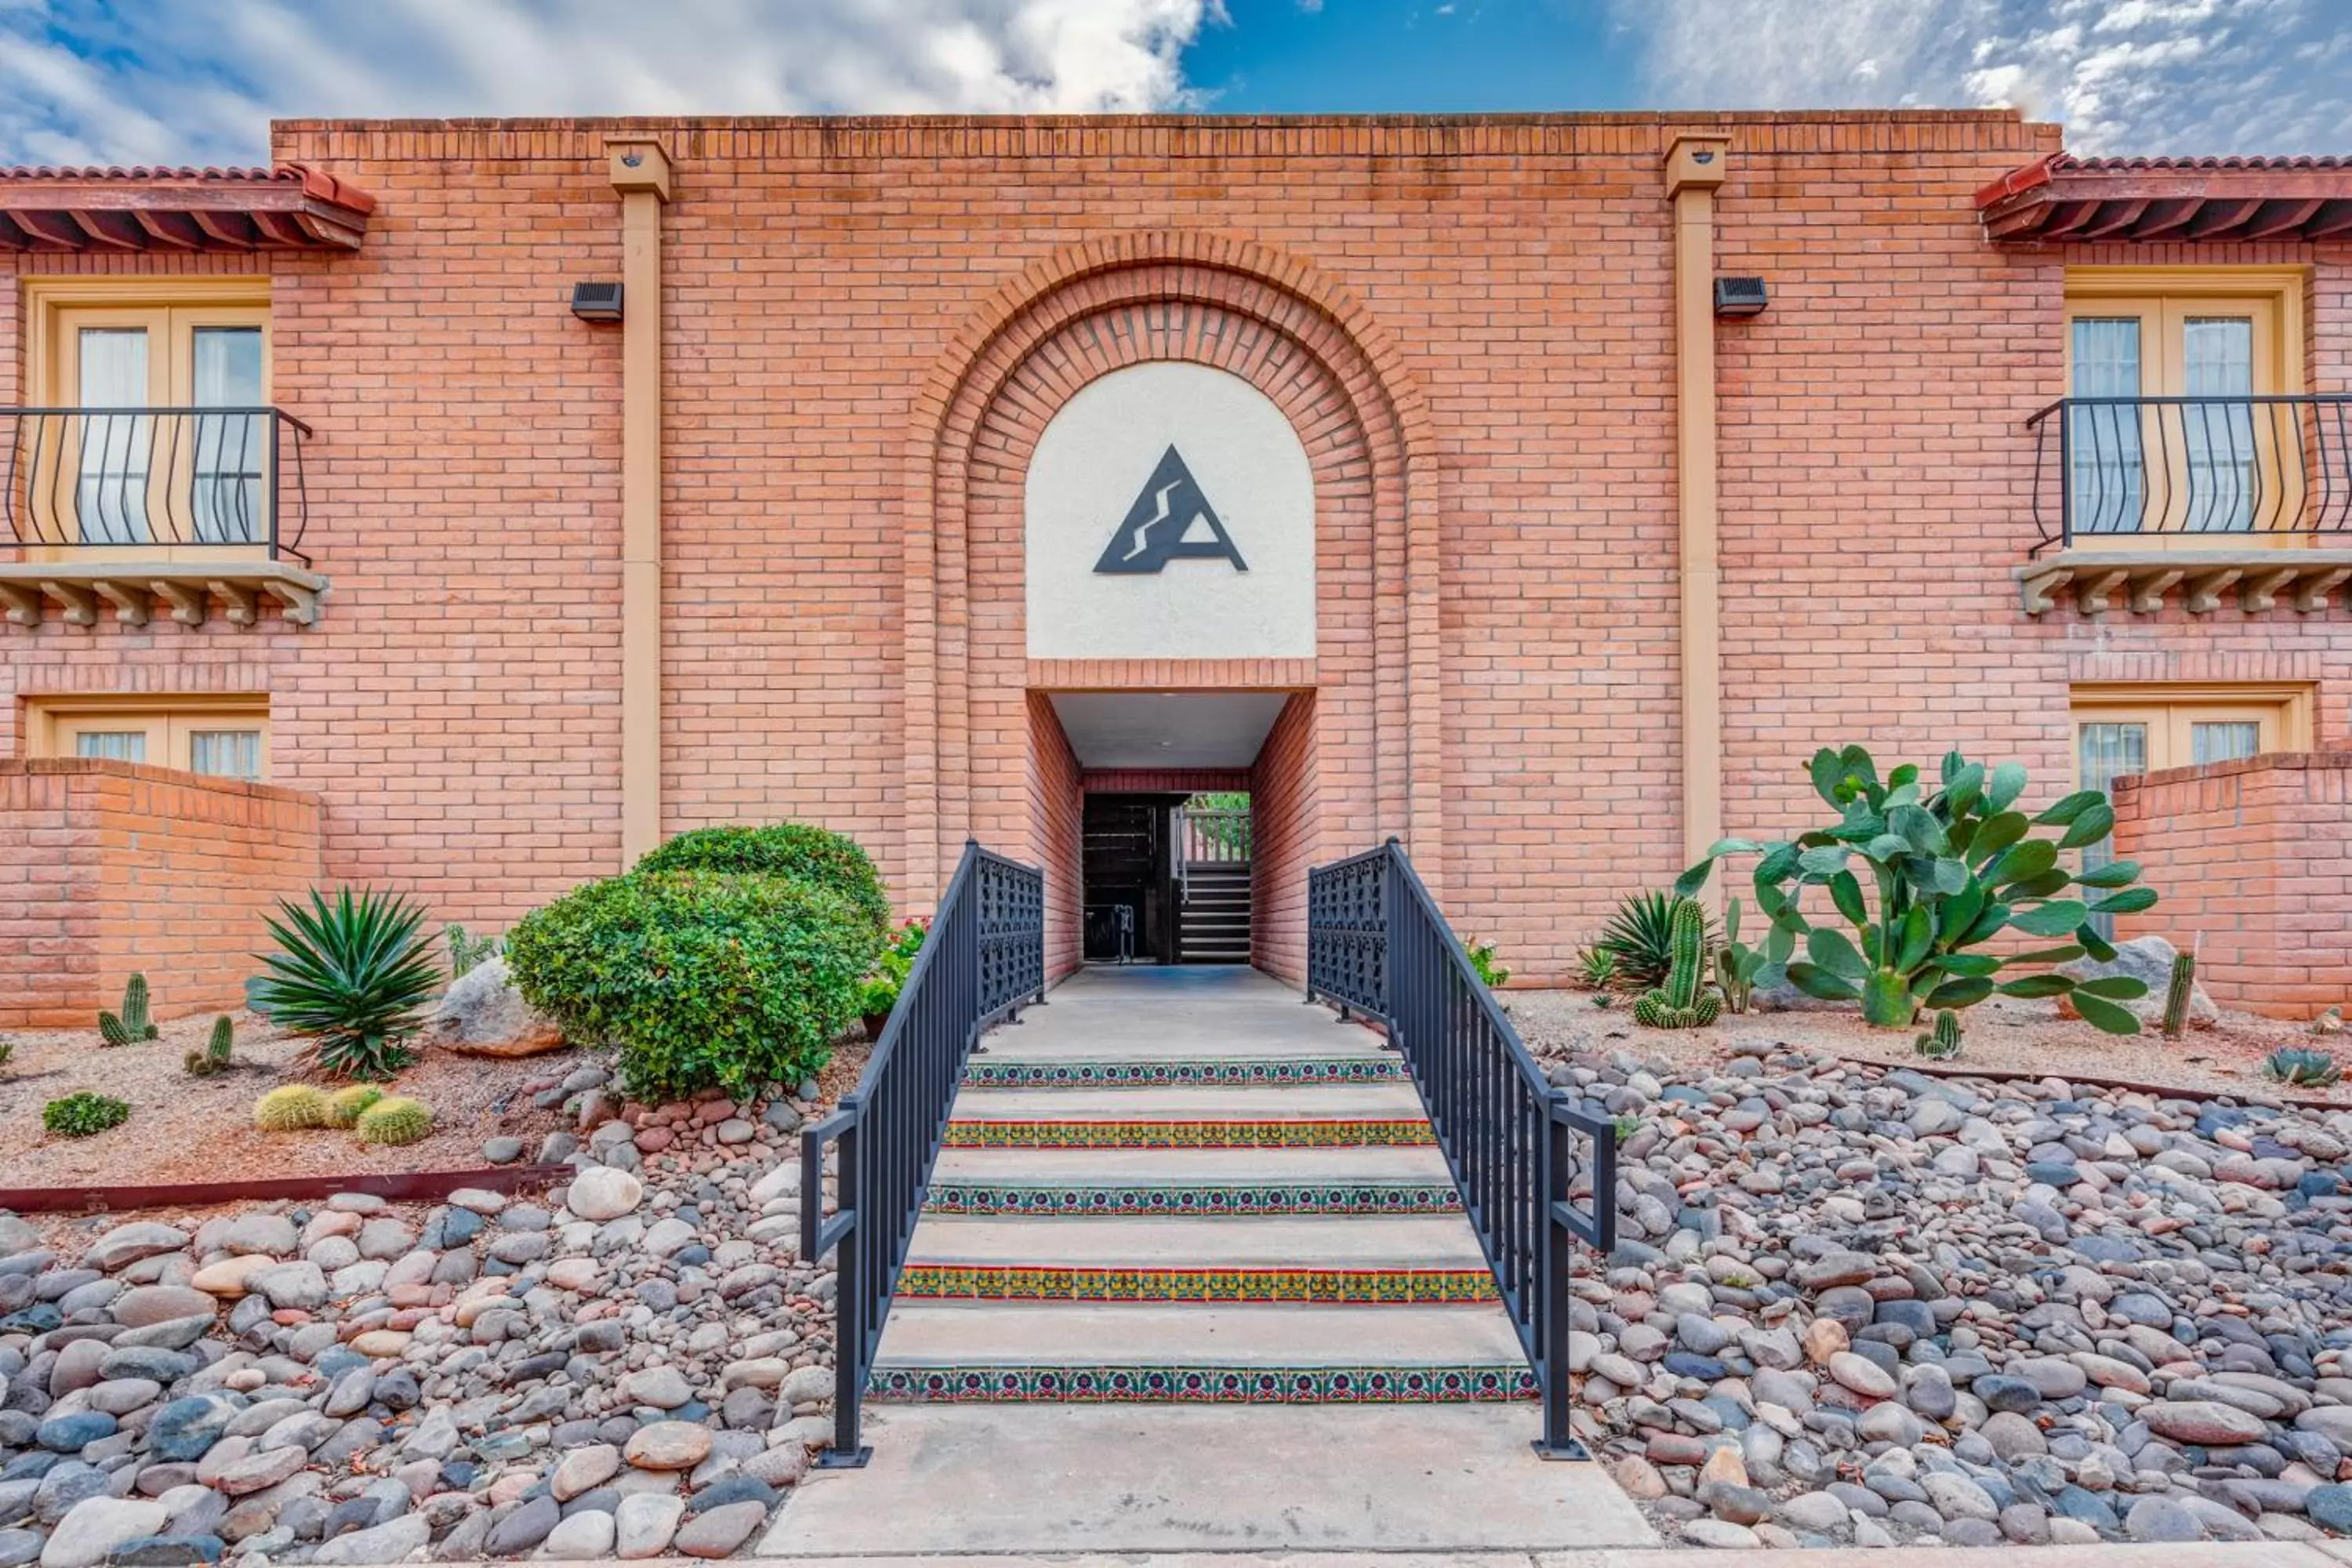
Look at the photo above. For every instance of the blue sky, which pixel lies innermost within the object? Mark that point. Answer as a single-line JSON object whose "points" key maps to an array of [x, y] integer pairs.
{"points": [[198, 80]]}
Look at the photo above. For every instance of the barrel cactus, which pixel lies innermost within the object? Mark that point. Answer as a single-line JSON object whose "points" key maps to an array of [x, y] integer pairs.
{"points": [[346, 1106], [398, 1120], [1943, 1042], [290, 1108], [1684, 1001]]}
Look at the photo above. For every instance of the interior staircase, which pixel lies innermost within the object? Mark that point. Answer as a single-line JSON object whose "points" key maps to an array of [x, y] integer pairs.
{"points": [[1214, 925]]}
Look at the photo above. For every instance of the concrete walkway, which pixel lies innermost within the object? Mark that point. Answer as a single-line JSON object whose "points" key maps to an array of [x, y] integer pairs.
{"points": [[1192, 1277]]}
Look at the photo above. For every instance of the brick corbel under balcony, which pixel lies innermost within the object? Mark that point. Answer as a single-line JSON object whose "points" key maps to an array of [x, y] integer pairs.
{"points": [[2137, 580], [138, 591]]}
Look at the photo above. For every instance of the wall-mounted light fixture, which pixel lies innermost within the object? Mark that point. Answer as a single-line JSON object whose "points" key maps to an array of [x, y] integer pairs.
{"points": [[596, 301], [1739, 297]]}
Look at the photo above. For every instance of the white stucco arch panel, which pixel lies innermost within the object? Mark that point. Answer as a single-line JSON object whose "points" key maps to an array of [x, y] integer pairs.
{"points": [[1103, 505]]}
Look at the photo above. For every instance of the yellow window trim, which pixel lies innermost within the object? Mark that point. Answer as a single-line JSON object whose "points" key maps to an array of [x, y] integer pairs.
{"points": [[2288, 704], [170, 719], [45, 298], [2282, 287]]}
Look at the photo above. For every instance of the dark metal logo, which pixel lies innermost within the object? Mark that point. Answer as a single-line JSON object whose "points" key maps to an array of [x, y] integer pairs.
{"points": [[1170, 520]]}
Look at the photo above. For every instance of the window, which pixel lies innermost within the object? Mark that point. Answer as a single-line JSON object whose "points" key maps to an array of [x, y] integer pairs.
{"points": [[2122, 730], [2171, 361], [223, 737], [114, 350]]}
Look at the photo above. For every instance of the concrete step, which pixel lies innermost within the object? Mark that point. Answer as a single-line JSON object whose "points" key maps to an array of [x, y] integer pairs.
{"points": [[993, 1071], [1121, 1243], [1191, 1167], [1394, 1262], [1018, 1482], [1273, 1102], [996, 1351]]}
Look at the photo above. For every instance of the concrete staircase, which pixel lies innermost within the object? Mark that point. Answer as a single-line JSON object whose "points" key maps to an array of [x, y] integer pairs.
{"points": [[1192, 1277], [1214, 924], [1182, 1187]]}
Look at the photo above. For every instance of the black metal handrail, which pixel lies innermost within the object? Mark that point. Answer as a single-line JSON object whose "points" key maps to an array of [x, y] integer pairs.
{"points": [[2121, 466], [983, 960], [1377, 944], [143, 477]]}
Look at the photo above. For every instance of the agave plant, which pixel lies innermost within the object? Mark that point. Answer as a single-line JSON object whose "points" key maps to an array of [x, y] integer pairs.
{"points": [[1948, 870], [2316, 1068], [353, 975], [1641, 934]]}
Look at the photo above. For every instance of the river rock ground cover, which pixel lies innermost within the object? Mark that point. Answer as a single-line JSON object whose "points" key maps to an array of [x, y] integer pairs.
{"points": [[1857, 1304], [632, 1363]]}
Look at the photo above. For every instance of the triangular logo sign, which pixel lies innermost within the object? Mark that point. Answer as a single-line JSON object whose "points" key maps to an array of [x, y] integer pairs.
{"points": [[1170, 520]]}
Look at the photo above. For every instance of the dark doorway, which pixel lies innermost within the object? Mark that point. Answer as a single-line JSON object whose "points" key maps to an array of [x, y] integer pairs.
{"points": [[1129, 862]]}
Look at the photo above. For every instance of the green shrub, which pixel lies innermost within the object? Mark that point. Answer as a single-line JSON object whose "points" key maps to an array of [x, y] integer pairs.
{"points": [[1923, 874], [1482, 959], [83, 1114], [353, 976], [700, 978], [878, 991], [794, 849]]}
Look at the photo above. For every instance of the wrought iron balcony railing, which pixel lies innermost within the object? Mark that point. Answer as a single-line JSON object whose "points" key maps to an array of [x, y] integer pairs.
{"points": [[2212, 467], [152, 477]]}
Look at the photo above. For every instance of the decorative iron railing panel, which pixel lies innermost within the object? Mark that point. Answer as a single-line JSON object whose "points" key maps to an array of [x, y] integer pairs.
{"points": [[2216, 467], [985, 958], [153, 477], [1377, 942]]}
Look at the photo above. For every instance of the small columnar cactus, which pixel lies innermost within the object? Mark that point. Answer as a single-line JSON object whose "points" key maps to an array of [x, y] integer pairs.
{"points": [[2316, 1068], [215, 1056], [133, 1024], [398, 1120], [2175, 993], [1684, 1001], [1943, 1042], [345, 1106], [290, 1108]]}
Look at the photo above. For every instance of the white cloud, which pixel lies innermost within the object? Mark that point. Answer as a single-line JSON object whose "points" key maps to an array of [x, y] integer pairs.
{"points": [[166, 81], [2124, 76]]}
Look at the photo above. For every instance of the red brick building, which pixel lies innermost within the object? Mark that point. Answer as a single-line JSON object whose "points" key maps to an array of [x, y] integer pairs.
{"points": [[1497, 525]]}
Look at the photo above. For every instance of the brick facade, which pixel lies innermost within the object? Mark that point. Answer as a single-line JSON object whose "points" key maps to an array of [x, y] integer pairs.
{"points": [[108, 869], [868, 323], [2255, 859]]}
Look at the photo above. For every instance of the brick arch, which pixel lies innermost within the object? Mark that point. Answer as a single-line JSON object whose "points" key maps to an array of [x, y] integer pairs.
{"points": [[1082, 314]]}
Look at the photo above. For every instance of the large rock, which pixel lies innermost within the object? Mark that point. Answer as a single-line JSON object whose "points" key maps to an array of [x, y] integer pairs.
{"points": [[602, 1192], [2204, 1421], [484, 1016], [127, 1243], [96, 1526], [2150, 959], [384, 1543]]}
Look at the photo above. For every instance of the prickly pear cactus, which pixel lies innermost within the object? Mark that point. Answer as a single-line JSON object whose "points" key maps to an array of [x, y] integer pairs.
{"points": [[1943, 1042], [2175, 993], [1684, 1001]]}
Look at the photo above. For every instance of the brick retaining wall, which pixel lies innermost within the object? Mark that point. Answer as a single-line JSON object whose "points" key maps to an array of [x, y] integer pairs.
{"points": [[2256, 855], [108, 868]]}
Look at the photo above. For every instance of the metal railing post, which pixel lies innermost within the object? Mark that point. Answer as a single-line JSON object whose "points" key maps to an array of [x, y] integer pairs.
{"points": [[849, 1312]]}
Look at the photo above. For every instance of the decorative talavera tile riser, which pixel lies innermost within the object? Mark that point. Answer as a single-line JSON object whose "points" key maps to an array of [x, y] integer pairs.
{"points": [[1162, 1201], [1204, 1384], [1238, 1286], [1201, 1134], [1207, 1072]]}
